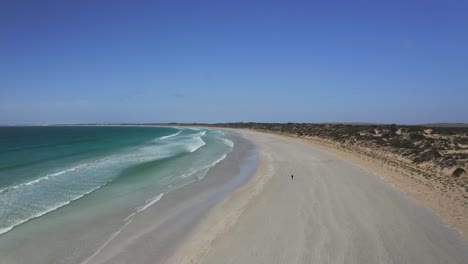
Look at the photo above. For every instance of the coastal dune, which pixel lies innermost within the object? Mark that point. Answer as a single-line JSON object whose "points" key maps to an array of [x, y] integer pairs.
{"points": [[331, 212]]}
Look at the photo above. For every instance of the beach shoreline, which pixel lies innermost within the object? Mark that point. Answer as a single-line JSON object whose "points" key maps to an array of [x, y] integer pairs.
{"points": [[148, 235], [154, 235], [247, 209], [263, 221]]}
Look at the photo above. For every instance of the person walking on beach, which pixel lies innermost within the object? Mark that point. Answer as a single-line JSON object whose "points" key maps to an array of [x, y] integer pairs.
{"points": [[292, 177]]}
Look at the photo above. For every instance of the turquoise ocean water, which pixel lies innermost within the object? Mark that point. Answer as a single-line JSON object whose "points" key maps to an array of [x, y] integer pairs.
{"points": [[44, 169]]}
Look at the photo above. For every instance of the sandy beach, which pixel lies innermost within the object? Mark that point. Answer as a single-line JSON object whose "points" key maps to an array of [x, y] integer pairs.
{"points": [[333, 211]]}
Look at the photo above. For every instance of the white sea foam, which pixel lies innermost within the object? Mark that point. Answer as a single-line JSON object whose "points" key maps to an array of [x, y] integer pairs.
{"points": [[49, 176], [167, 149], [130, 216], [57, 206], [169, 136], [187, 178], [192, 172], [196, 143], [213, 164], [150, 203], [4, 230], [228, 142]]}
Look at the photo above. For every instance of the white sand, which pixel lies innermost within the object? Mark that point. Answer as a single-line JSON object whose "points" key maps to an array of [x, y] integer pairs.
{"points": [[332, 212]]}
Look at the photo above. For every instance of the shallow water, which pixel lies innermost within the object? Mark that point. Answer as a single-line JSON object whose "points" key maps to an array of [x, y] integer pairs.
{"points": [[43, 169]]}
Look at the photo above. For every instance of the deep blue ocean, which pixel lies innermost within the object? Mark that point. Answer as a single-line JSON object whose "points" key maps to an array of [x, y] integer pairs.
{"points": [[43, 169]]}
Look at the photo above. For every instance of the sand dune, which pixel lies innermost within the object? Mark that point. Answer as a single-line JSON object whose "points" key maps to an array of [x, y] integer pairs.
{"points": [[332, 212]]}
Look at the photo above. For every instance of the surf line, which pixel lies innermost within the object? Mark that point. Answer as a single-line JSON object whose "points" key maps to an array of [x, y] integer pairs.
{"points": [[127, 221], [106, 242]]}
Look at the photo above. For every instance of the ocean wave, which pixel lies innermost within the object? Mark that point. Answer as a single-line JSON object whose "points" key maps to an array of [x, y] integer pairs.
{"points": [[52, 175], [194, 129], [197, 143], [166, 150], [190, 173], [116, 161], [80, 180], [57, 206], [47, 177], [44, 178], [187, 178], [228, 142], [169, 136]]}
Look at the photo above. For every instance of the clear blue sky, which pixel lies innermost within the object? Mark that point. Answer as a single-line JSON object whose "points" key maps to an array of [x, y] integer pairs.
{"points": [[223, 61]]}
